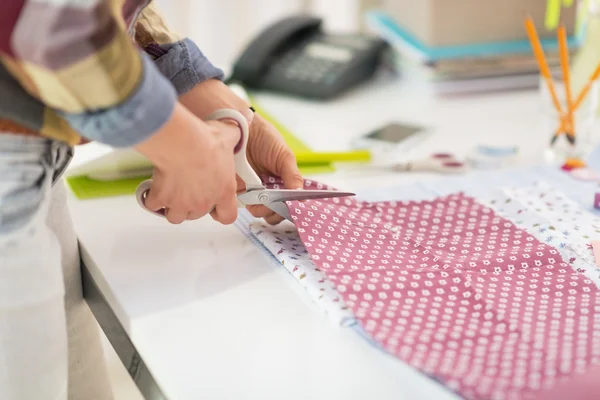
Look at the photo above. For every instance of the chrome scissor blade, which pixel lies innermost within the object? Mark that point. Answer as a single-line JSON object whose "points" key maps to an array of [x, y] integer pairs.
{"points": [[295, 195], [267, 196], [280, 209]]}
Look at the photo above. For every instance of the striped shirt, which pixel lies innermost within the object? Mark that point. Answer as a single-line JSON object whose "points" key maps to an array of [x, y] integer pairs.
{"points": [[69, 69]]}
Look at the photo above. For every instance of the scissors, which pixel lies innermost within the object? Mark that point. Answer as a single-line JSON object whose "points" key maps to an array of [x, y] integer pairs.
{"points": [[444, 163], [255, 193]]}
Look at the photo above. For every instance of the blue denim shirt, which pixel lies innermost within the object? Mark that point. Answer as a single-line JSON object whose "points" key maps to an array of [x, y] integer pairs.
{"points": [[182, 63]]}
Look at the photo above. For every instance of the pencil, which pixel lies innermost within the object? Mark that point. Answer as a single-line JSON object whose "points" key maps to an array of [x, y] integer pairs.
{"points": [[564, 63], [541, 59], [585, 90]]}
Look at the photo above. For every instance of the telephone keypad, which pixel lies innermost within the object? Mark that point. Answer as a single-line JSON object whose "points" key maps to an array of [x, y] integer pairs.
{"points": [[307, 69]]}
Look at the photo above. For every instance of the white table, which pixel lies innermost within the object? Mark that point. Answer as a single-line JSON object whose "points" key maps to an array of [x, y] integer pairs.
{"points": [[211, 318]]}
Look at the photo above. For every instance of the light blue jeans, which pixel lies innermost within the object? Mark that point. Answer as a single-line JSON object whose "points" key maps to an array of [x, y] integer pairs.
{"points": [[49, 342]]}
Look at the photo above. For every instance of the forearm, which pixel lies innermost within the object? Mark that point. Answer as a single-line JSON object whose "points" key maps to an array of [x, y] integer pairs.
{"points": [[182, 133], [206, 97]]}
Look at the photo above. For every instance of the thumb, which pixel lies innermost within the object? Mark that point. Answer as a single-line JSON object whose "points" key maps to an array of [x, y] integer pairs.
{"points": [[290, 174]]}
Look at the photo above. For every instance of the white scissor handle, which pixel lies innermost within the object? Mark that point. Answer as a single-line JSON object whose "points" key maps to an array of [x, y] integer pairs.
{"points": [[242, 167]]}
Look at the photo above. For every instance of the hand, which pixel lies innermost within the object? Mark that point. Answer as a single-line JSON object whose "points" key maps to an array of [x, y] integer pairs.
{"points": [[267, 152], [194, 168]]}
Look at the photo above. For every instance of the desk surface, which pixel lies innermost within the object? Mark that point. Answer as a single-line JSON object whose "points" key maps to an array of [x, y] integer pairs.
{"points": [[213, 319]]}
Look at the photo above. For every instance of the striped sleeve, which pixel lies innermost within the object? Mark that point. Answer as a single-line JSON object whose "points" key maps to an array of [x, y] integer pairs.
{"points": [[77, 58], [177, 58]]}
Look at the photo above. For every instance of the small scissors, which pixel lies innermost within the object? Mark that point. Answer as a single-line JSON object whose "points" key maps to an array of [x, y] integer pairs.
{"points": [[444, 163], [255, 193]]}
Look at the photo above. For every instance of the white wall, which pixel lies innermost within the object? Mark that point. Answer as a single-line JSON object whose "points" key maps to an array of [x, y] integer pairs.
{"points": [[339, 15], [221, 28]]}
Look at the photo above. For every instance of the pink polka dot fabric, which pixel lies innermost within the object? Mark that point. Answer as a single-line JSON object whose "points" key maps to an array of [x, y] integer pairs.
{"points": [[456, 291]]}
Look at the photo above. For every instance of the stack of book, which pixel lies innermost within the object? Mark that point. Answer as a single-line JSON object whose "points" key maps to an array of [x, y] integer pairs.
{"points": [[468, 67]]}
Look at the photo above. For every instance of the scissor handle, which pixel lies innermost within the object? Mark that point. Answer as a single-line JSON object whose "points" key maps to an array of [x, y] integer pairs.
{"points": [[444, 163], [242, 167]]}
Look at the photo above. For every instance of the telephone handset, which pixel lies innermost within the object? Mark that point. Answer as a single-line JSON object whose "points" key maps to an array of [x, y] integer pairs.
{"points": [[294, 56]]}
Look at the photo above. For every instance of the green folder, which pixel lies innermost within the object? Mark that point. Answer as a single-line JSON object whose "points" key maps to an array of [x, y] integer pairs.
{"points": [[85, 188]]}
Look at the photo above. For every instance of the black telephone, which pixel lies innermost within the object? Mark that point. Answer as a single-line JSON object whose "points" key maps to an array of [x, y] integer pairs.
{"points": [[294, 56]]}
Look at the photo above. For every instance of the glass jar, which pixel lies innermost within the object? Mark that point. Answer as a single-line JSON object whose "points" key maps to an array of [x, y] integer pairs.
{"points": [[559, 147]]}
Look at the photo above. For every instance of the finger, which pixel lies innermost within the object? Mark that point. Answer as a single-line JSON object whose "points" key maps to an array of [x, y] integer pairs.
{"points": [[152, 200], [292, 178], [260, 211], [226, 211], [194, 215], [175, 216], [274, 219]]}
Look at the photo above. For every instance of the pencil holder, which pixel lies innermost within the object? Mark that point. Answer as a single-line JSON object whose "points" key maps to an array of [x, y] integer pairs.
{"points": [[560, 147]]}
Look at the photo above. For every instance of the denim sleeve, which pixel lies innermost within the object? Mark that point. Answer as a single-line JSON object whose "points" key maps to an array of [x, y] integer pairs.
{"points": [[184, 65], [135, 119]]}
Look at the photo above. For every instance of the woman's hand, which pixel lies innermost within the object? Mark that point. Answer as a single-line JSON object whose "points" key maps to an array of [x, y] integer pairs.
{"points": [[267, 152], [194, 168]]}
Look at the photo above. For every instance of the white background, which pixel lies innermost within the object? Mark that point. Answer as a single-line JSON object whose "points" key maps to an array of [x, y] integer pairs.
{"points": [[222, 28]]}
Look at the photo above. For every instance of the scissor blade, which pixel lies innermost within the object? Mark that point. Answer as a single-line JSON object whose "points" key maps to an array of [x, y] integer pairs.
{"points": [[267, 196], [295, 195]]}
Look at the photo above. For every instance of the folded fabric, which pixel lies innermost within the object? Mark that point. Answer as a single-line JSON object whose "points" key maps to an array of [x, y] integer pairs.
{"points": [[552, 218], [577, 226], [457, 291], [284, 243]]}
